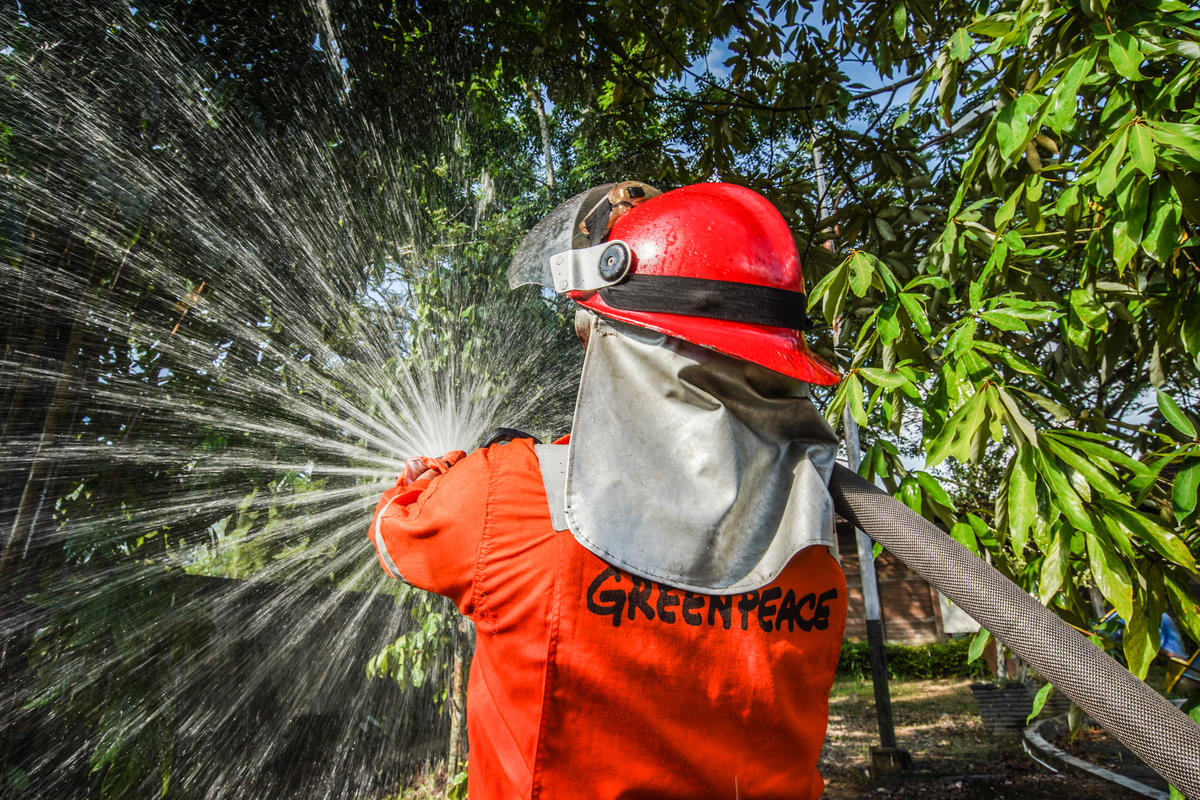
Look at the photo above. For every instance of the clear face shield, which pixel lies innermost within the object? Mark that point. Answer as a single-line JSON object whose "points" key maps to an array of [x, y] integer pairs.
{"points": [[566, 250]]}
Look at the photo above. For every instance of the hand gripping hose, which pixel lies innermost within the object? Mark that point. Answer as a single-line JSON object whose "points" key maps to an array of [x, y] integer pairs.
{"points": [[1145, 722]]}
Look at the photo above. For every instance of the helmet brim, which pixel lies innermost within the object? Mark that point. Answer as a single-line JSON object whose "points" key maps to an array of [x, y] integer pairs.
{"points": [[782, 350]]}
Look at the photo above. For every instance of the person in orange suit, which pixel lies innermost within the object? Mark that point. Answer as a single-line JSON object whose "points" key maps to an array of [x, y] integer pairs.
{"points": [[657, 598]]}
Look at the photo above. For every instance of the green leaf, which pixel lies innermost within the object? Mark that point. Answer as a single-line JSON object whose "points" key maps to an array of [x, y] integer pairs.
{"points": [[1166, 543], [1039, 701], [1010, 359], [928, 280], [1062, 493], [854, 400], [1140, 643], [1055, 564], [1006, 211], [1097, 445], [982, 530], [1067, 200], [978, 643], [1005, 321], [1129, 222], [1179, 136], [1172, 414], [1189, 331], [833, 411], [1015, 418], [1143, 481], [1084, 466], [900, 21], [916, 312], [975, 293], [933, 489], [1124, 55], [963, 339], [1075, 713], [910, 494], [1120, 535], [887, 323], [1060, 412], [958, 432], [831, 291], [887, 281], [885, 229], [960, 45], [609, 95], [861, 273], [1187, 607], [1110, 574], [1091, 312], [1162, 235], [1022, 497], [1064, 102], [881, 377], [1141, 149], [1185, 490], [1013, 124], [993, 27], [964, 534], [1125, 246], [1107, 180]]}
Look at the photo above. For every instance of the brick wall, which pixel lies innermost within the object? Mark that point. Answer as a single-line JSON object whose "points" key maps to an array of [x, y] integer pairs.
{"points": [[910, 608]]}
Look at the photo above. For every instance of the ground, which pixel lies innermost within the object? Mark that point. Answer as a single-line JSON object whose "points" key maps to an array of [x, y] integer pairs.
{"points": [[953, 756]]}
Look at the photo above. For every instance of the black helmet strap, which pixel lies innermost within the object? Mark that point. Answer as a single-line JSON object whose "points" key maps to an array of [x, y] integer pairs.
{"points": [[700, 297]]}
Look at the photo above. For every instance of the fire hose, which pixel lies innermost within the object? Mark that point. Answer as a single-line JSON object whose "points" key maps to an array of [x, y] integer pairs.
{"points": [[1140, 718]]}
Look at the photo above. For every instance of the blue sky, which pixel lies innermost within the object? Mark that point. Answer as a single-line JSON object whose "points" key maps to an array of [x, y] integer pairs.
{"points": [[856, 71]]}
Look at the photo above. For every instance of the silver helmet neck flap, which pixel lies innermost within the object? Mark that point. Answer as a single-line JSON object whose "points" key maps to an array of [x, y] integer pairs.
{"points": [[691, 468]]}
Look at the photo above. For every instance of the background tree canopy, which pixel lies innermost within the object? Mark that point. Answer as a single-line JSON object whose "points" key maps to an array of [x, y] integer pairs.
{"points": [[258, 212]]}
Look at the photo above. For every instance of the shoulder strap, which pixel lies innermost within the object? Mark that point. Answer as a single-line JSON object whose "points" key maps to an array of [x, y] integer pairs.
{"points": [[552, 459]]}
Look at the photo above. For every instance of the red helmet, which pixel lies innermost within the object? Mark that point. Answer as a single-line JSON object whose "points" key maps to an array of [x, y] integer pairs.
{"points": [[713, 264]]}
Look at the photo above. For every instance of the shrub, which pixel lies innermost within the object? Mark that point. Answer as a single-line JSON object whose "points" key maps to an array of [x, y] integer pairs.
{"points": [[934, 660]]}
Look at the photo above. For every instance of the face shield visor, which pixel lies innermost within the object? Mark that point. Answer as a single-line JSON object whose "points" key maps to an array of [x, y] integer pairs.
{"points": [[566, 250]]}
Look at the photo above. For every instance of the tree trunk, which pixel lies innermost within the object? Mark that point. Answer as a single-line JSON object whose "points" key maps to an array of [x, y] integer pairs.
{"points": [[457, 701], [539, 106], [32, 497], [30, 508]]}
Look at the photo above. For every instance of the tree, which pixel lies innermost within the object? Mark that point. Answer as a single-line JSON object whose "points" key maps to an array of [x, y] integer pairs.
{"points": [[1055, 307]]}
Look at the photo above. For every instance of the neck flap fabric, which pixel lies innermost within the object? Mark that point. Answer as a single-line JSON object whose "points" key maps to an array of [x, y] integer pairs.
{"points": [[691, 468]]}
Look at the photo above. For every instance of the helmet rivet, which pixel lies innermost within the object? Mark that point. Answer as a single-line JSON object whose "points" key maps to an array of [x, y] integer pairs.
{"points": [[613, 262]]}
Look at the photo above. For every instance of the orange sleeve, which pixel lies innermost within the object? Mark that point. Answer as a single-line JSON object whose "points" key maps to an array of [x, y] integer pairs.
{"points": [[427, 532]]}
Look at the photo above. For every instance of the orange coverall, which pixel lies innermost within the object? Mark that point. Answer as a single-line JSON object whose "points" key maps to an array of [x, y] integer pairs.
{"points": [[590, 683]]}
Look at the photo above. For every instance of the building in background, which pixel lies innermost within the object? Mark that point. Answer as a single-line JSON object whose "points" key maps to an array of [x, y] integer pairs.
{"points": [[913, 612]]}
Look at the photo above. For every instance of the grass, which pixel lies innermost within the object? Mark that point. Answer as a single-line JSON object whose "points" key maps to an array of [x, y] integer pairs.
{"points": [[932, 717]]}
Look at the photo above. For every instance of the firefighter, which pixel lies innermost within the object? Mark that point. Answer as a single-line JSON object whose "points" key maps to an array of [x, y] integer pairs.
{"points": [[656, 597]]}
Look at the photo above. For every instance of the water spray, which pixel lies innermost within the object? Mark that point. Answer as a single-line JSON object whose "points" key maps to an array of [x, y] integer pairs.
{"points": [[221, 336]]}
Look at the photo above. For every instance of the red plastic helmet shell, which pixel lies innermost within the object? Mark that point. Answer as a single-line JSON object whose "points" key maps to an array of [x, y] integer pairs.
{"points": [[717, 231]]}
